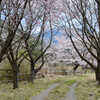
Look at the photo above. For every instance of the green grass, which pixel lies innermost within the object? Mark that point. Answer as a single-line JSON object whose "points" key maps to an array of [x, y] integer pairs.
{"points": [[26, 90], [88, 89], [59, 93]]}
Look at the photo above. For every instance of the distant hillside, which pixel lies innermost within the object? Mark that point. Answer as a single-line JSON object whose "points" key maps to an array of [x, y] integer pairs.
{"points": [[56, 32]]}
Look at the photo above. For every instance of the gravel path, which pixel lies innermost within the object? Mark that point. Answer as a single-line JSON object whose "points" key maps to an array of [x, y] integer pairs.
{"points": [[44, 94], [71, 94]]}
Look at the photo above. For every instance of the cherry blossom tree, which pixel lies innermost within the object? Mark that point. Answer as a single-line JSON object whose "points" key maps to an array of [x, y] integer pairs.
{"points": [[46, 25], [18, 19], [11, 15], [82, 20], [63, 51]]}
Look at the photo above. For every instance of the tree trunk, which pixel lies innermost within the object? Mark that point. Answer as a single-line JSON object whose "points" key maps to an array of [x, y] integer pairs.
{"points": [[97, 72], [85, 70], [15, 79], [15, 68], [98, 54], [32, 75], [75, 68], [96, 75]]}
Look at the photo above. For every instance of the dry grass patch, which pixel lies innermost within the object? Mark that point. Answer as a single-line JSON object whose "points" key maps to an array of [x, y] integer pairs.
{"points": [[88, 89], [26, 90], [59, 93]]}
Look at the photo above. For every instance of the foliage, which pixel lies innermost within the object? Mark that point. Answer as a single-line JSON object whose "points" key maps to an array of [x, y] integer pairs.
{"points": [[36, 51]]}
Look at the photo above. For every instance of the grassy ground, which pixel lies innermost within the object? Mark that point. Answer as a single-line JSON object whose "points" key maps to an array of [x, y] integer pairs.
{"points": [[88, 89], [26, 90], [59, 93]]}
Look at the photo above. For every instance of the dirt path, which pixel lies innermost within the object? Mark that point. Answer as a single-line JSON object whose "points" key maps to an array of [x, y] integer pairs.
{"points": [[44, 94], [71, 94]]}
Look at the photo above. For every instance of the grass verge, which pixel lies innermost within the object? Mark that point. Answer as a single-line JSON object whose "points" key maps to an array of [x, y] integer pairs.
{"points": [[88, 89], [59, 93], [26, 90]]}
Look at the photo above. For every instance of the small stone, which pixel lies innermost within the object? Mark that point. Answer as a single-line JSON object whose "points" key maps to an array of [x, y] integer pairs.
{"points": [[90, 94], [25, 83], [21, 92], [4, 90]]}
